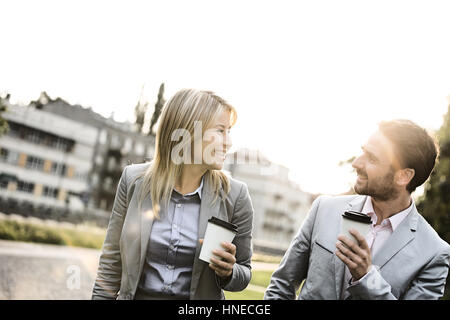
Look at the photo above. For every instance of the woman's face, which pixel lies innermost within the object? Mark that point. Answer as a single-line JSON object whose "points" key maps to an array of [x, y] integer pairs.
{"points": [[217, 142]]}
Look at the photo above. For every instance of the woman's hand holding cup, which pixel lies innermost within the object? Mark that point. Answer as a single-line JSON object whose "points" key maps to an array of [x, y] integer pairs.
{"points": [[224, 261]]}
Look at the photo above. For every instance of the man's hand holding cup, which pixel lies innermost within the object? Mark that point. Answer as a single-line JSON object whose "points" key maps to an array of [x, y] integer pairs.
{"points": [[355, 255]]}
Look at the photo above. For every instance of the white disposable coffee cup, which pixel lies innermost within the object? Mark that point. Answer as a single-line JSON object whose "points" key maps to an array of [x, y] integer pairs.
{"points": [[355, 220], [217, 231]]}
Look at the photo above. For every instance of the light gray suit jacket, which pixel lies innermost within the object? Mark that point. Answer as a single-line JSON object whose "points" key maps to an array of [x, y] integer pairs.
{"points": [[412, 264], [125, 246]]}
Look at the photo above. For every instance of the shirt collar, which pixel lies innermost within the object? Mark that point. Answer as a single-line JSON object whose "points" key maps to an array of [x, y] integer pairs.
{"points": [[394, 220], [198, 190]]}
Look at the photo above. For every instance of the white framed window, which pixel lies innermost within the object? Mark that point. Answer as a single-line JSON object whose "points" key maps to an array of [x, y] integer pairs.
{"points": [[50, 192], [34, 163], [25, 186]]}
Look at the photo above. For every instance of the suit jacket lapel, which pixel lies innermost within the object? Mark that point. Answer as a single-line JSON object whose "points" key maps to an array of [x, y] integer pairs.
{"points": [[207, 210], [339, 266], [146, 215], [398, 239]]}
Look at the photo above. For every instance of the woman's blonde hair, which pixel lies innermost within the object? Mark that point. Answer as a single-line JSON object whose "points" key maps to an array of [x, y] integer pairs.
{"points": [[185, 108]]}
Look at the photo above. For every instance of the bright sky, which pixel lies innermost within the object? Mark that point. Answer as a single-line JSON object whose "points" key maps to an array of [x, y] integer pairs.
{"points": [[310, 79]]}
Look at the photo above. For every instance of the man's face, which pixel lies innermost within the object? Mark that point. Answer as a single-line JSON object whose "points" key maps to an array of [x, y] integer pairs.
{"points": [[375, 169]]}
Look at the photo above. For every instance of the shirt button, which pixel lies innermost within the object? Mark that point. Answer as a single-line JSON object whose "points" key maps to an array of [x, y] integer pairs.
{"points": [[178, 205], [175, 227], [170, 267]]}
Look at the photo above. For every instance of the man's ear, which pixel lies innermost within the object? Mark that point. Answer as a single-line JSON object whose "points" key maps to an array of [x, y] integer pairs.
{"points": [[404, 176]]}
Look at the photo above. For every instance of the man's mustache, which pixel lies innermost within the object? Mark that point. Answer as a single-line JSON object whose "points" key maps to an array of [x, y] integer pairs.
{"points": [[361, 173]]}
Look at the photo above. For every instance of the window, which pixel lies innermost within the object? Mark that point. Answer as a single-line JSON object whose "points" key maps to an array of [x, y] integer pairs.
{"points": [[3, 184], [58, 168], [50, 192], [13, 157], [34, 163], [25, 186], [4, 154], [34, 136], [40, 137]]}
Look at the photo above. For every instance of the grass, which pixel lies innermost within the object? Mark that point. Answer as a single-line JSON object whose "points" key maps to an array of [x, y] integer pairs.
{"points": [[266, 258], [247, 294], [261, 278], [29, 232]]}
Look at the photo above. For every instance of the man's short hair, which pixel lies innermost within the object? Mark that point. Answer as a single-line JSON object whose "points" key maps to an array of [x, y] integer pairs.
{"points": [[414, 148]]}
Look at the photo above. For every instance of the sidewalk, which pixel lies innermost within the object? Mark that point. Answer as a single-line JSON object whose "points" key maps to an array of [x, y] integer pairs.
{"points": [[43, 271]]}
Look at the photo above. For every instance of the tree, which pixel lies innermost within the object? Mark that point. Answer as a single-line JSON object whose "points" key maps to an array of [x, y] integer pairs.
{"points": [[140, 110], [158, 108], [3, 104], [435, 202]]}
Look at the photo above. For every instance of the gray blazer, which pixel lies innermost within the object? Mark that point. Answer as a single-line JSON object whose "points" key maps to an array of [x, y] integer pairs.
{"points": [[413, 263], [123, 253]]}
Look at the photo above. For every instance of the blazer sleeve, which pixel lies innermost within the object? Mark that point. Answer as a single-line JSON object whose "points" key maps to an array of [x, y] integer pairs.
{"points": [[243, 218], [286, 280], [107, 283], [429, 283]]}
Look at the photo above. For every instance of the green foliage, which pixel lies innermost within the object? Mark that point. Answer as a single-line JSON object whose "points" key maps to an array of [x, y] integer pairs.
{"points": [[435, 202], [3, 124], [13, 230], [19, 231]]}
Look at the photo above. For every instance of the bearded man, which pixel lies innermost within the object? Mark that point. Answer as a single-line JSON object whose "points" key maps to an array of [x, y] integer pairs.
{"points": [[401, 257]]}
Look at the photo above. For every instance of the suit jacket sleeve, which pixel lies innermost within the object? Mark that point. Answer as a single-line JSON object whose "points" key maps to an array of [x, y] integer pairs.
{"points": [[109, 272], [243, 218], [293, 268], [427, 285]]}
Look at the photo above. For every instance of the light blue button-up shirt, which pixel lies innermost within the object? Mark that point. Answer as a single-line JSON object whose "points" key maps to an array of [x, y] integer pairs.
{"points": [[171, 249]]}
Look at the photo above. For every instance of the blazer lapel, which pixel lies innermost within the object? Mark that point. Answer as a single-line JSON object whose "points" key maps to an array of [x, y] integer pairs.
{"points": [[403, 235], [339, 266], [207, 210], [146, 215]]}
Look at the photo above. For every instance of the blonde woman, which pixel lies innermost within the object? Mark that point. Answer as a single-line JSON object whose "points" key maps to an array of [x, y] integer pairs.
{"points": [[161, 211]]}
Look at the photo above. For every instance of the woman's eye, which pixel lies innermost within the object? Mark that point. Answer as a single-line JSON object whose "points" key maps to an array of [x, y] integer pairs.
{"points": [[222, 131]]}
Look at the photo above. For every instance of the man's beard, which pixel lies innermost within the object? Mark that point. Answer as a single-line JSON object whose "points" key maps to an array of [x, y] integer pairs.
{"points": [[379, 188]]}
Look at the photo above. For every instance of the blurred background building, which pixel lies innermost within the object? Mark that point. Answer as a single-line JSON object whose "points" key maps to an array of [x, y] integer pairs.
{"points": [[64, 161], [116, 144], [46, 157], [280, 205]]}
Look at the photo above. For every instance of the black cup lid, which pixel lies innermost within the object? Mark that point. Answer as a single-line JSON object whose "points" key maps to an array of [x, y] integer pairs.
{"points": [[223, 223], [357, 216]]}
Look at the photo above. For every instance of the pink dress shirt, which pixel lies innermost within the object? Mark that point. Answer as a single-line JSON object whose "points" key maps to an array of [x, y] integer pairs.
{"points": [[377, 235]]}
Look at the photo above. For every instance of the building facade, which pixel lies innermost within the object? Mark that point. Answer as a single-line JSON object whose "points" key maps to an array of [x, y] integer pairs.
{"points": [[58, 155], [280, 206], [117, 144], [45, 159]]}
